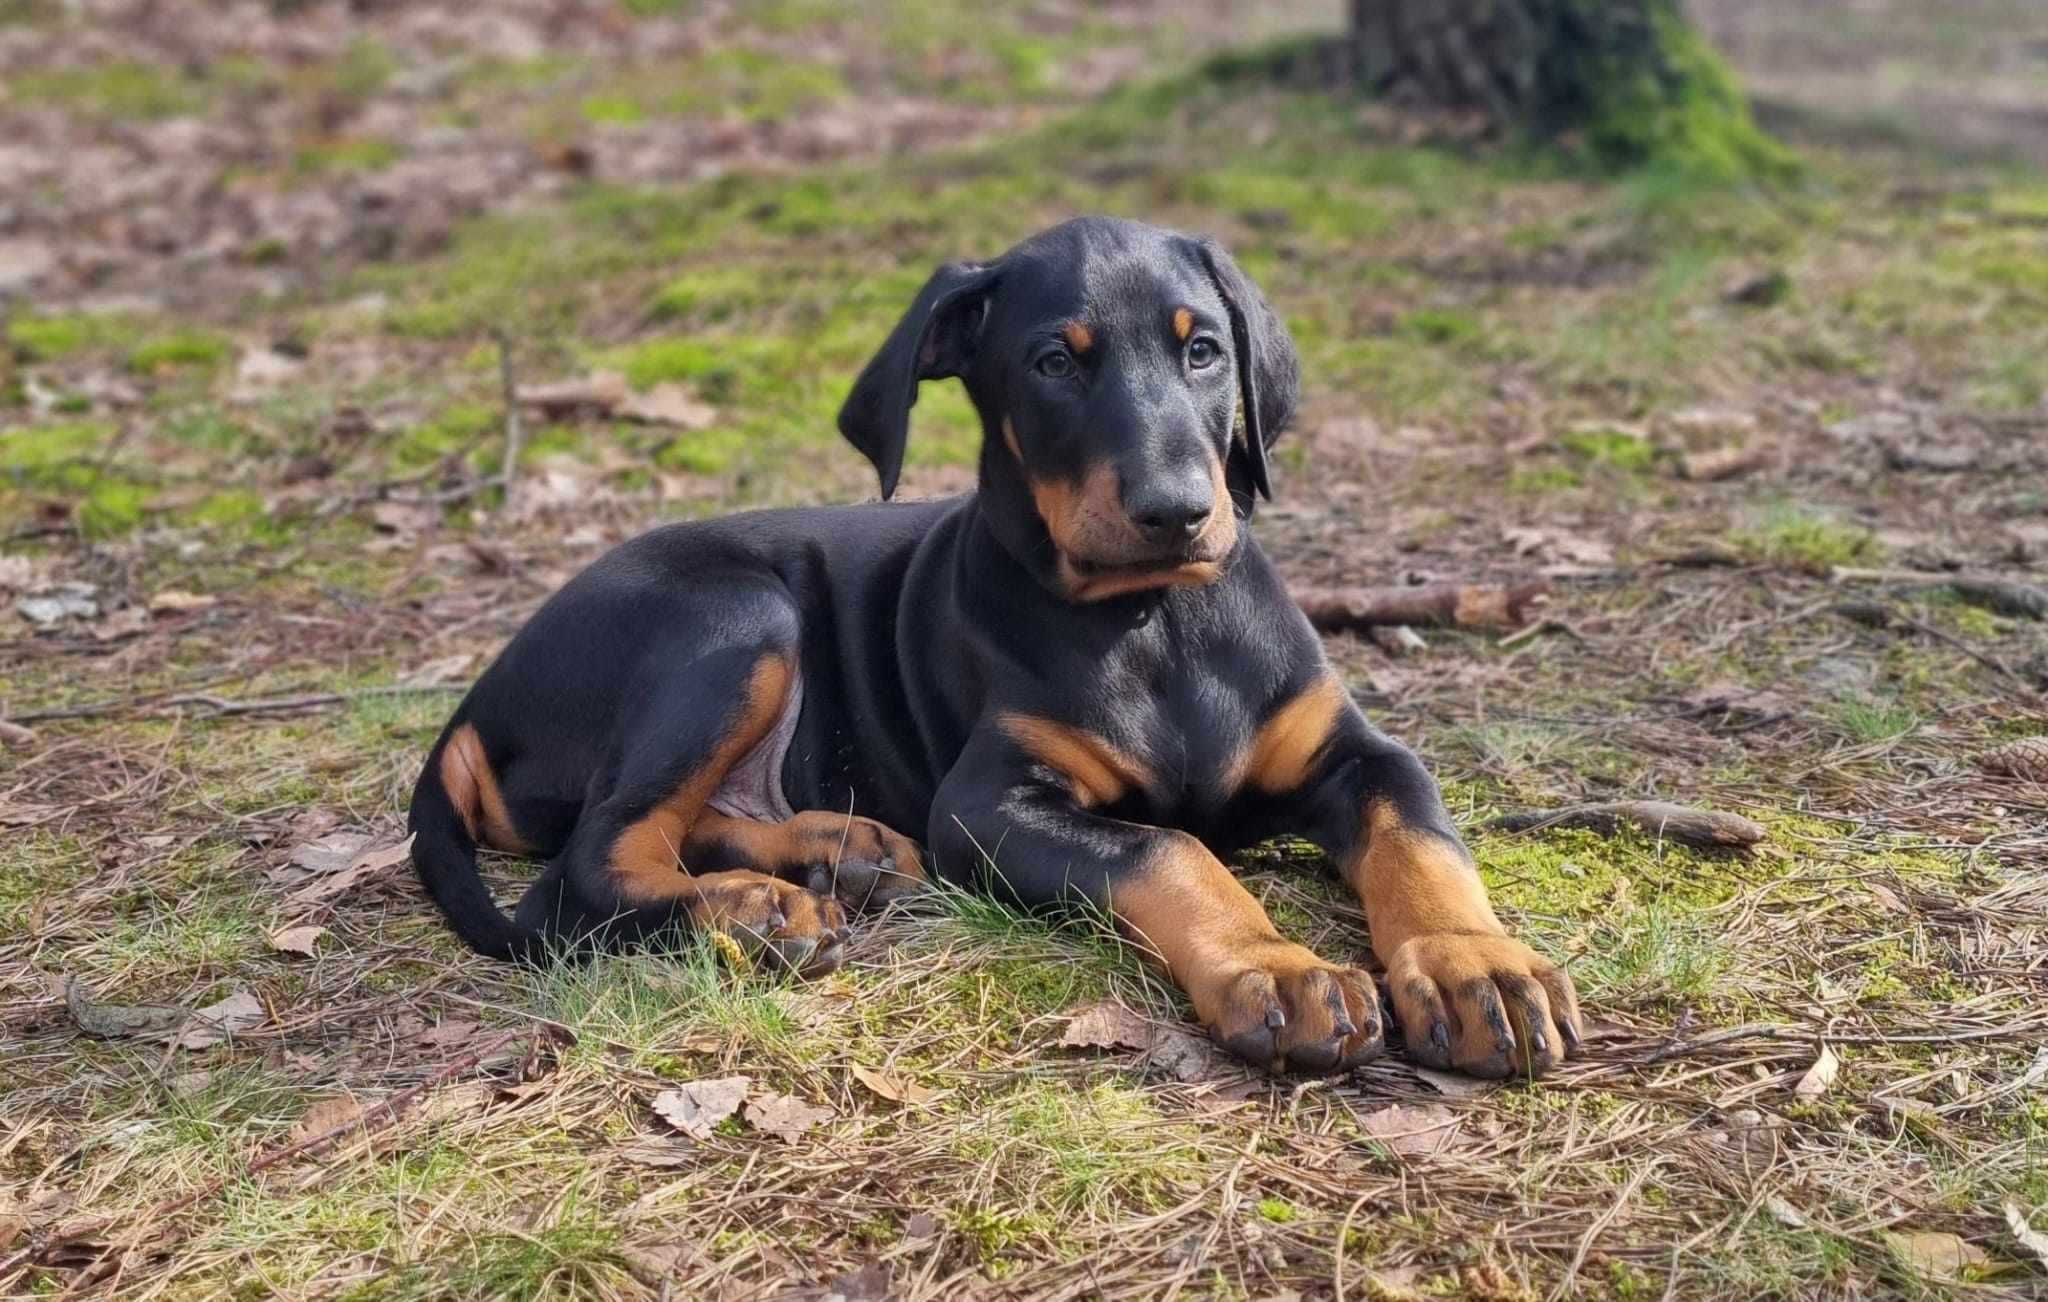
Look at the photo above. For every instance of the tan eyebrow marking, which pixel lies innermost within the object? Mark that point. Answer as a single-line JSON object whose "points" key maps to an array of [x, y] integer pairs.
{"points": [[1079, 337], [1183, 323]]}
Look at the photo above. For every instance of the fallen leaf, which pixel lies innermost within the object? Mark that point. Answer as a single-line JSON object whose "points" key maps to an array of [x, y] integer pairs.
{"points": [[55, 605], [18, 573], [784, 1116], [921, 1225], [1413, 1130], [1819, 1076], [369, 863], [1451, 1083], [871, 1283], [698, 1107], [328, 853], [1106, 1024], [177, 601], [116, 1021], [324, 1116], [893, 1087], [218, 1022], [459, 1100], [15, 736], [1784, 1213], [404, 520], [297, 940], [129, 621], [262, 371], [2033, 1240], [667, 403], [598, 394], [1936, 1254]]}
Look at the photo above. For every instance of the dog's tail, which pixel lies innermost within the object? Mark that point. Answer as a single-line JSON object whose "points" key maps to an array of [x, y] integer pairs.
{"points": [[444, 855]]}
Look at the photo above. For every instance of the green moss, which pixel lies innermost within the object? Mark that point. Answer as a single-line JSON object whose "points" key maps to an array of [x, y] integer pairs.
{"points": [[41, 454], [232, 506], [118, 90], [183, 348], [1681, 112], [1611, 447], [1278, 1210], [46, 338], [111, 508], [1440, 326], [1804, 539], [1540, 481], [357, 154]]}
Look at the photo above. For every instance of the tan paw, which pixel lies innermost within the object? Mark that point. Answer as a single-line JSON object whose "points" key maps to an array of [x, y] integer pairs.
{"points": [[1485, 1004], [862, 863], [795, 929], [1287, 1010]]}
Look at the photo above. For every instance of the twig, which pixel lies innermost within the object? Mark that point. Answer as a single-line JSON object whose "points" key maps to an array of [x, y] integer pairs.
{"points": [[1456, 605], [515, 425], [375, 1115], [1789, 1031], [1701, 827], [1872, 615]]}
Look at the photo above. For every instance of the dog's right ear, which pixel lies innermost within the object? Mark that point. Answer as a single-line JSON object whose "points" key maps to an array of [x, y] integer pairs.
{"points": [[935, 339]]}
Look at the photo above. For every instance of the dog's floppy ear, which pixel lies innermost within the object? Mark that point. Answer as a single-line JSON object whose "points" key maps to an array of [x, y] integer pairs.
{"points": [[1268, 369], [934, 339]]}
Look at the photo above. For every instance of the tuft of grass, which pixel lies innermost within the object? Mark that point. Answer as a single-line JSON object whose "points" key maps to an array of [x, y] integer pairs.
{"points": [[1875, 720], [193, 348], [1803, 539]]}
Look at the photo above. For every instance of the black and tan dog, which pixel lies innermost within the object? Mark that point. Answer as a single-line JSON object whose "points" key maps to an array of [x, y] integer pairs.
{"points": [[1082, 682]]}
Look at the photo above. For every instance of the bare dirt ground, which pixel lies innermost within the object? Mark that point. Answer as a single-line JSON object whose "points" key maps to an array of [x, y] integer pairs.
{"points": [[1781, 457]]}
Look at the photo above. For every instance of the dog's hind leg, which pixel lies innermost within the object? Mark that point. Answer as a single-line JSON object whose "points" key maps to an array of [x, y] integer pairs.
{"points": [[626, 869], [862, 863]]}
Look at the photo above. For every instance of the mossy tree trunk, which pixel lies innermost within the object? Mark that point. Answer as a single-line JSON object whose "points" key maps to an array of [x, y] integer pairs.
{"points": [[1629, 77]]}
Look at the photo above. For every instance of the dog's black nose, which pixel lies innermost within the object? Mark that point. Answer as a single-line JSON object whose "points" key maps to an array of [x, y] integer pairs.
{"points": [[1170, 512]]}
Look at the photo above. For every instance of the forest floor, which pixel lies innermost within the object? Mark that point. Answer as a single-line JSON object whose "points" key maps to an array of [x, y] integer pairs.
{"points": [[256, 268]]}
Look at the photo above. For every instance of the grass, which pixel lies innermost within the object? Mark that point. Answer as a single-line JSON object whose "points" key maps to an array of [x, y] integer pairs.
{"points": [[1484, 332]]}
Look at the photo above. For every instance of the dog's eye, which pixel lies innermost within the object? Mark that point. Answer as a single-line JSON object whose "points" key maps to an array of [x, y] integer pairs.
{"points": [[1056, 365], [1203, 352]]}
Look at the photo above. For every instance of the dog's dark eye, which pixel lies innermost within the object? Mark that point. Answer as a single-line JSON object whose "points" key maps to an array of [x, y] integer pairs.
{"points": [[1056, 365], [1203, 352]]}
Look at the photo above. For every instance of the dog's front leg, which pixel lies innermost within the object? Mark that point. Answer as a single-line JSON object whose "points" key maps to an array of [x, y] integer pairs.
{"points": [[1467, 994], [1023, 816]]}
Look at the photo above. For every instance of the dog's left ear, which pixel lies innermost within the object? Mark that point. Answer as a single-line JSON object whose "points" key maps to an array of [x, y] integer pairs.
{"points": [[935, 339], [1268, 368]]}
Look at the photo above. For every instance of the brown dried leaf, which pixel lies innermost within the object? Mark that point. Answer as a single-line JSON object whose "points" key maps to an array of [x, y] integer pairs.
{"points": [[893, 1087], [1451, 1083], [1419, 1130], [784, 1116], [1936, 1254], [698, 1107], [328, 853], [297, 940], [177, 601], [1106, 1024], [667, 403], [324, 1116], [219, 1022], [2033, 1240], [369, 863], [1819, 1076]]}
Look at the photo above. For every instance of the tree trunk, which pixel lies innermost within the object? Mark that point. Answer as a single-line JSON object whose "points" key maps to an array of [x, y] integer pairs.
{"points": [[1628, 77]]}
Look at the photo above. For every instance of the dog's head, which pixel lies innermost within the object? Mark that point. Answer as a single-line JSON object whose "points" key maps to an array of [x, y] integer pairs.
{"points": [[1109, 361]]}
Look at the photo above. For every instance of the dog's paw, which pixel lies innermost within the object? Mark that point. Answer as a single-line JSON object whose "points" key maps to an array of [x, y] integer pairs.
{"points": [[1487, 1005], [863, 864], [1287, 1010], [775, 921]]}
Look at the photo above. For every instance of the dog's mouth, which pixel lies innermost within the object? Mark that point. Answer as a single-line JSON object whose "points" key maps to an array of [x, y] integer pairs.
{"points": [[1090, 578]]}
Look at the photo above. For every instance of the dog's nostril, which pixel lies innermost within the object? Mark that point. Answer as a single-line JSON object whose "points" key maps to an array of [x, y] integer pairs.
{"points": [[1172, 520]]}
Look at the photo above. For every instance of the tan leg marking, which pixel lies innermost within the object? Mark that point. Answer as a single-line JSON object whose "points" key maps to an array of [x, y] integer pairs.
{"points": [[1096, 772], [863, 863], [1284, 751], [646, 859], [1183, 323], [1468, 995], [1263, 997], [473, 789]]}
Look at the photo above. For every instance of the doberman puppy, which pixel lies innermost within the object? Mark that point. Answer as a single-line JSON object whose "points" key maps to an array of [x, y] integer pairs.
{"points": [[1083, 681]]}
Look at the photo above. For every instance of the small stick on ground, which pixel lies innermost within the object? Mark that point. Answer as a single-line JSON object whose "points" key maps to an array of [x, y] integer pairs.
{"points": [[1438, 605], [1706, 828], [515, 424]]}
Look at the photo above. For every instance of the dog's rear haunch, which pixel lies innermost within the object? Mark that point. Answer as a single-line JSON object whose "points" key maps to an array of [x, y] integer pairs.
{"points": [[1083, 680]]}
